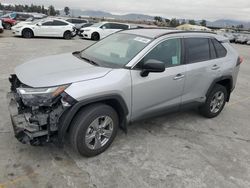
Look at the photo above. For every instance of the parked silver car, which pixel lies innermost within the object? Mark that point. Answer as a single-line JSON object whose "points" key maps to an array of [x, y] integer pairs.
{"points": [[128, 76]]}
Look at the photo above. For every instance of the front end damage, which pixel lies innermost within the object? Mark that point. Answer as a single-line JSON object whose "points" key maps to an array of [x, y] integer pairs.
{"points": [[36, 112]]}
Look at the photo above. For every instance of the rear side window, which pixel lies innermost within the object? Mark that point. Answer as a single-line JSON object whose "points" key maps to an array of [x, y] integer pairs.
{"points": [[58, 23], [220, 50], [197, 49]]}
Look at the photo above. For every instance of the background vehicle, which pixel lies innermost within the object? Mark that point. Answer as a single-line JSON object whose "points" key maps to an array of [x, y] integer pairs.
{"points": [[30, 20], [242, 39], [77, 22], [11, 19], [103, 29], [1, 27], [45, 28], [128, 76]]}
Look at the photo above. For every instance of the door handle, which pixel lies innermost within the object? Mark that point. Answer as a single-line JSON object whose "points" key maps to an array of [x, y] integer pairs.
{"points": [[179, 76], [215, 67]]}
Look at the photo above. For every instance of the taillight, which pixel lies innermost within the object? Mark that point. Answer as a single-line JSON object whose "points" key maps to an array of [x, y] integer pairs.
{"points": [[239, 61]]}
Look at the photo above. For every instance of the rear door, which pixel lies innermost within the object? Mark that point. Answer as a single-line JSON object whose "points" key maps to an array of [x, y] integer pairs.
{"points": [[202, 68], [159, 91], [59, 27]]}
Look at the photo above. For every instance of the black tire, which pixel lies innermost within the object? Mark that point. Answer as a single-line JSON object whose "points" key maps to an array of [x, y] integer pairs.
{"points": [[27, 33], [67, 35], [95, 36], [206, 109], [81, 125], [7, 26]]}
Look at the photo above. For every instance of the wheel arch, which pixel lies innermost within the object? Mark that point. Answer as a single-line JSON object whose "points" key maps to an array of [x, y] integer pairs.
{"points": [[115, 101], [226, 81], [27, 28]]}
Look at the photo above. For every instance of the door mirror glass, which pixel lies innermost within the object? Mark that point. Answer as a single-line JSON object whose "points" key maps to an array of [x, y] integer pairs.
{"points": [[152, 65]]}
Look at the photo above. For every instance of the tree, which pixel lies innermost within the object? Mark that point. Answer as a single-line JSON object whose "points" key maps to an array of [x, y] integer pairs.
{"points": [[51, 11], [203, 23], [174, 22], [66, 10], [158, 19], [192, 22]]}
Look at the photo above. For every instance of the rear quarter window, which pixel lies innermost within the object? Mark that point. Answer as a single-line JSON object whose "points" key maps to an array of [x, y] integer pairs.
{"points": [[220, 49]]}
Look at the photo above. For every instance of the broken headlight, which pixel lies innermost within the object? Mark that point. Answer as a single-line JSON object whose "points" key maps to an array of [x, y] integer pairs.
{"points": [[40, 96]]}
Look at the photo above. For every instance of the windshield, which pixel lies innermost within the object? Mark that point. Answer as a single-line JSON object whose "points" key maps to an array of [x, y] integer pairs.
{"points": [[115, 51]]}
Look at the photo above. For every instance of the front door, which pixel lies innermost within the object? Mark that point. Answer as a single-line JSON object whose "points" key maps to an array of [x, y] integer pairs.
{"points": [[159, 91]]}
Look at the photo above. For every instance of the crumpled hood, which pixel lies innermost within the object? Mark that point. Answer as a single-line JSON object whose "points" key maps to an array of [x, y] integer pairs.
{"points": [[58, 70]]}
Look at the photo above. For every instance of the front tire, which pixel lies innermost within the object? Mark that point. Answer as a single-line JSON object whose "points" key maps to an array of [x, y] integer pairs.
{"points": [[27, 33], [95, 36], [94, 129], [215, 102]]}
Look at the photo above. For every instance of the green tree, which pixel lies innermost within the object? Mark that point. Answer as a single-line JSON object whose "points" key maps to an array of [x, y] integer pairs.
{"points": [[158, 19], [174, 22], [192, 22], [203, 23], [66, 10], [51, 11]]}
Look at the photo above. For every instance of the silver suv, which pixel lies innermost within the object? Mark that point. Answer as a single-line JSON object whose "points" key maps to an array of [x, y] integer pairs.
{"points": [[131, 75]]}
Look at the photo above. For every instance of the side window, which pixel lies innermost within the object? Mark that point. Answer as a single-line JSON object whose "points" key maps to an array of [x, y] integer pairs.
{"points": [[69, 20], [59, 23], [197, 49], [76, 21], [118, 26], [168, 52], [49, 23], [106, 26], [220, 50]]}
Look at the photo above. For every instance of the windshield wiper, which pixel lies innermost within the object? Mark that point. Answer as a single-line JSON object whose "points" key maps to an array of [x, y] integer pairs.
{"points": [[90, 61]]}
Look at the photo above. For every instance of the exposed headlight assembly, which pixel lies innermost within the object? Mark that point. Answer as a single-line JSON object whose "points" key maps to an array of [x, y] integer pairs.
{"points": [[40, 96]]}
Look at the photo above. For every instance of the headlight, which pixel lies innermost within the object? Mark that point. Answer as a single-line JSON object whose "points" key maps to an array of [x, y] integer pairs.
{"points": [[17, 27], [40, 96], [87, 30]]}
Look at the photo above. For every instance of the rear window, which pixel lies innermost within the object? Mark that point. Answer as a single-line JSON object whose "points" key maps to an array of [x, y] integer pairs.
{"points": [[197, 49], [220, 50]]}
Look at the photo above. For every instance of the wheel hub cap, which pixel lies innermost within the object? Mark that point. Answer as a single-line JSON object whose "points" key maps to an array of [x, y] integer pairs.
{"points": [[217, 102], [99, 132]]}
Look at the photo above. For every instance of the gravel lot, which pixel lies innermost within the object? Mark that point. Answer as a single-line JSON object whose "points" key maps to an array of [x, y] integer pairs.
{"points": [[177, 150]]}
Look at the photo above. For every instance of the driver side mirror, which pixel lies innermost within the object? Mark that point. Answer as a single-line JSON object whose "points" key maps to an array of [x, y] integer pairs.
{"points": [[39, 24], [104, 27], [152, 65]]}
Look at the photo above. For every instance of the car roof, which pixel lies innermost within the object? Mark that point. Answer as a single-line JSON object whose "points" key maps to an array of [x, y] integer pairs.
{"points": [[158, 32]]}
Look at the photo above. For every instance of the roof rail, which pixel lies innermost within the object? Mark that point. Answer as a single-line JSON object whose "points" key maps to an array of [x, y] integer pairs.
{"points": [[180, 31]]}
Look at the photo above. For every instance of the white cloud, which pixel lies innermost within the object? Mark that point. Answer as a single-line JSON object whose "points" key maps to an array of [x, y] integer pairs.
{"points": [[191, 9]]}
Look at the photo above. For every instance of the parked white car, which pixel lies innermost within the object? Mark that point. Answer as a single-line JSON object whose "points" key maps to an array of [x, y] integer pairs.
{"points": [[49, 27], [1, 27], [103, 29]]}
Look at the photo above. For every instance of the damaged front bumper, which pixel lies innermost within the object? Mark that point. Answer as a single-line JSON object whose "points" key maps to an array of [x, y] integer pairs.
{"points": [[35, 124]]}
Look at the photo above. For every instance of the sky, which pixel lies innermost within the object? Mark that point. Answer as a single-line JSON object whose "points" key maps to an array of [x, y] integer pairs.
{"points": [[189, 9]]}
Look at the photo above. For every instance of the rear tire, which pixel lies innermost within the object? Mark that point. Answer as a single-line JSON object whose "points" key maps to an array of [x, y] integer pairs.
{"points": [[215, 102], [93, 129], [7, 26], [27, 33], [67, 35], [95, 36]]}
